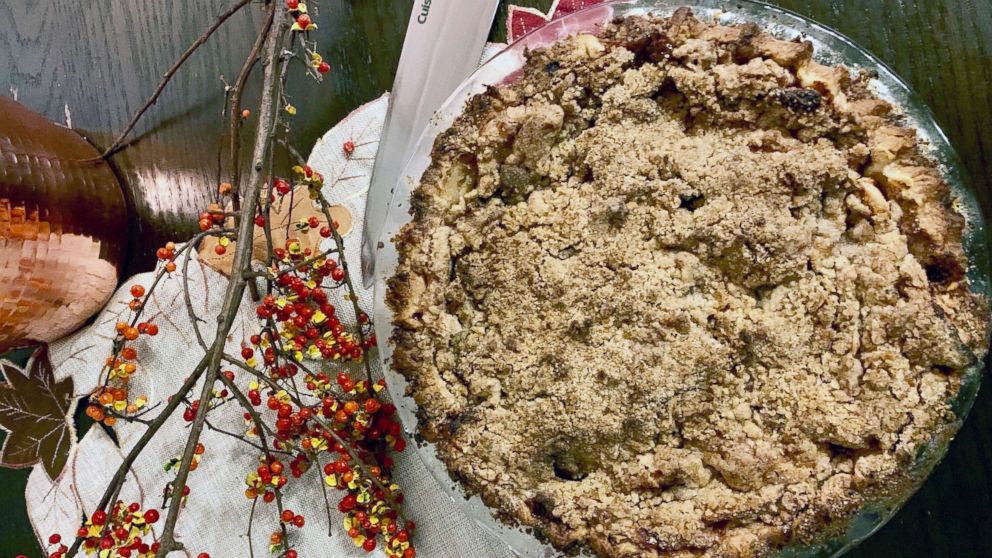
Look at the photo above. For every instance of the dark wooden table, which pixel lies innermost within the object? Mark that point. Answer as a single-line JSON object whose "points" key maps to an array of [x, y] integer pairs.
{"points": [[96, 61]]}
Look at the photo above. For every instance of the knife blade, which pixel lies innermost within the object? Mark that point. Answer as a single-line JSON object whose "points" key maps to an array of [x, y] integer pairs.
{"points": [[444, 41]]}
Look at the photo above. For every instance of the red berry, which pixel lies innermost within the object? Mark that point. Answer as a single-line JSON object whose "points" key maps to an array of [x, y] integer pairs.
{"points": [[287, 516], [54, 539], [152, 329], [151, 516], [409, 553], [293, 4], [304, 21], [219, 250], [99, 517], [203, 555], [290, 553], [323, 67], [368, 545], [259, 221], [371, 405]]}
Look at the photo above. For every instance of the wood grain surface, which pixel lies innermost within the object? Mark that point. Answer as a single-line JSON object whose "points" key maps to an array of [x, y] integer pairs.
{"points": [[93, 62]]}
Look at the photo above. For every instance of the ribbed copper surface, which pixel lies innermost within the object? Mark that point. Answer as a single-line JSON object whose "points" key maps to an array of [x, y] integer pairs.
{"points": [[62, 228]]}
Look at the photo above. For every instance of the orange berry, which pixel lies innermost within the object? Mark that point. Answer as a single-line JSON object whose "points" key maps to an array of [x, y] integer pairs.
{"points": [[245, 113], [94, 412], [137, 291], [131, 333], [129, 353], [170, 267], [200, 448], [106, 398], [109, 421], [121, 326]]}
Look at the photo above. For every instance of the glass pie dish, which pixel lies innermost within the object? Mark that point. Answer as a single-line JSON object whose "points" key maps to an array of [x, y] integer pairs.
{"points": [[829, 48]]}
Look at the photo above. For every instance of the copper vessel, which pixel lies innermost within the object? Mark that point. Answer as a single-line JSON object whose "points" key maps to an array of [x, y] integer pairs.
{"points": [[62, 228]]}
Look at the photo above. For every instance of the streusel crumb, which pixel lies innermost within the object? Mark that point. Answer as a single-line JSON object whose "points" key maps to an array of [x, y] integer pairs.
{"points": [[680, 290]]}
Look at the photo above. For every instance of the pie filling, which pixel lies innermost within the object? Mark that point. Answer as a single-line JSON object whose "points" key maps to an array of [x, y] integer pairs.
{"points": [[681, 290]]}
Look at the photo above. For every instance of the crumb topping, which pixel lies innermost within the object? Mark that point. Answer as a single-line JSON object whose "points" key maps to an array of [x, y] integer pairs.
{"points": [[681, 290]]}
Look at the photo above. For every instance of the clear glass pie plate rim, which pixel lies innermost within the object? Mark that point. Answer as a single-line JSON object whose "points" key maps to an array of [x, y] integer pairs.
{"points": [[829, 47]]}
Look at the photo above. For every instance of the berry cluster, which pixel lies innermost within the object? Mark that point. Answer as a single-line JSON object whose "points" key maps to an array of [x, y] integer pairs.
{"points": [[167, 254], [264, 481], [174, 462], [298, 10], [317, 61], [311, 179], [306, 322], [121, 532], [111, 400], [356, 431]]}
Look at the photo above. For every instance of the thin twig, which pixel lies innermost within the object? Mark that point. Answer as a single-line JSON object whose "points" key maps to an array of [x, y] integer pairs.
{"points": [[251, 521], [220, 430], [359, 464], [242, 260], [234, 115], [167, 77], [193, 318], [339, 244], [327, 503], [118, 480]]}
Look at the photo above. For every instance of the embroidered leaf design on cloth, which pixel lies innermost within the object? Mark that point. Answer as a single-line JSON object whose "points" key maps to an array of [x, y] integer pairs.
{"points": [[36, 414], [288, 214]]}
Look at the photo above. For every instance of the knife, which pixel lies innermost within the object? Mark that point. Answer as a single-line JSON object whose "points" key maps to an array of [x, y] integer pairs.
{"points": [[443, 45]]}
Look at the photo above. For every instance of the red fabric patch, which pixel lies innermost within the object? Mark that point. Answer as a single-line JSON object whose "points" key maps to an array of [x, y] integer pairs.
{"points": [[566, 7], [521, 21]]}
